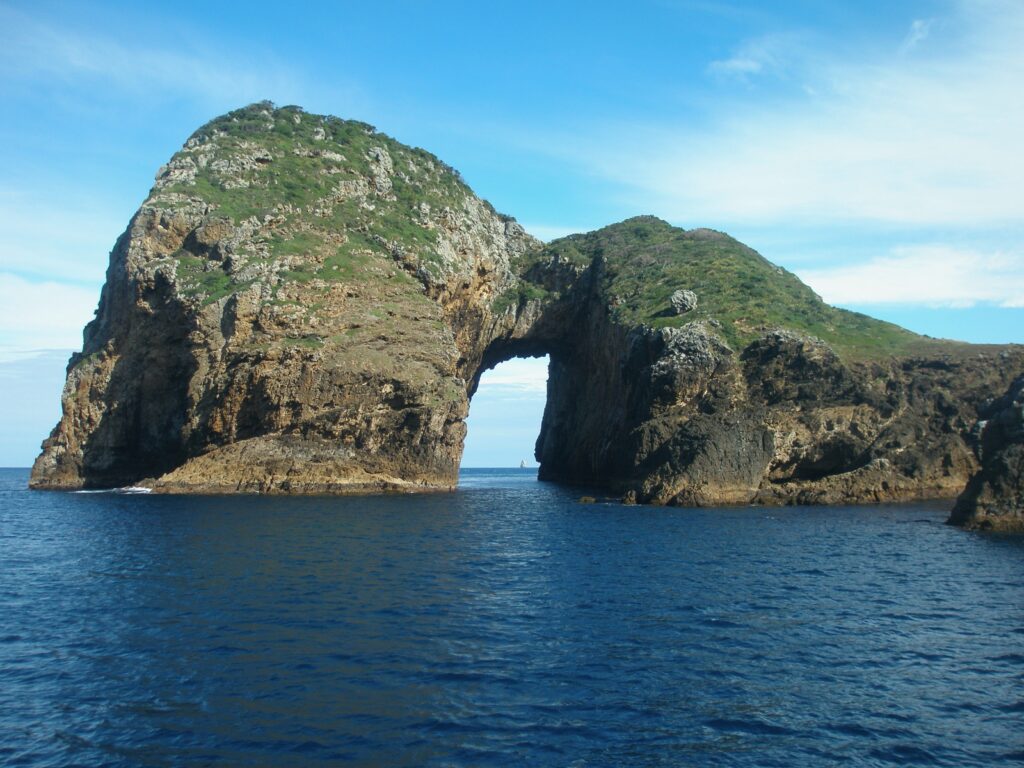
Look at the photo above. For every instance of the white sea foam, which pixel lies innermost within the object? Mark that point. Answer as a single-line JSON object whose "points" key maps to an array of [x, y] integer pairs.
{"points": [[126, 489]]}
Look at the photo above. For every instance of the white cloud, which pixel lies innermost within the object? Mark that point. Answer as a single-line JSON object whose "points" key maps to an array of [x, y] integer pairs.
{"points": [[525, 376], [42, 315], [738, 65], [144, 67], [40, 239], [918, 33], [883, 140], [755, 57], [933, 275]]}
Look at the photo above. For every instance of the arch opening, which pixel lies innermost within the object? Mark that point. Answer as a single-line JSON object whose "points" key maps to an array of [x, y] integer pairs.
{"points": [[505, 414]]}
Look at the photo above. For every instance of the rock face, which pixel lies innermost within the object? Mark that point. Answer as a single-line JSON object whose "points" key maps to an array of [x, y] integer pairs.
{"points": [[304, 305], [994, 497], [719, 409], [298, 306]]}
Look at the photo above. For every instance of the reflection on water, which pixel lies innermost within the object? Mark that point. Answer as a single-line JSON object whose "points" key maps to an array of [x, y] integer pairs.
{"points": [[504, 624]]}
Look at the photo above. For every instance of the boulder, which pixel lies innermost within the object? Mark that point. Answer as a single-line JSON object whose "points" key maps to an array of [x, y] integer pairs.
{"points": [[683, 301]]}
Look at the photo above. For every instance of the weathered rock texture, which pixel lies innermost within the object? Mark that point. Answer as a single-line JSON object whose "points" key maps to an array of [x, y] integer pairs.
{"points": [[683, 301], [305, 305], [719, 409], [295, 308], [994, 497]]}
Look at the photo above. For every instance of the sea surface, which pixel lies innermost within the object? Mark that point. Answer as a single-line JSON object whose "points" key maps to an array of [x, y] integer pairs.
{"points": [[506, 624]]}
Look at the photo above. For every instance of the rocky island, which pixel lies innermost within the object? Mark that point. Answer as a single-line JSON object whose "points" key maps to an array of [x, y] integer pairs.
{"points": [[304, 305]]}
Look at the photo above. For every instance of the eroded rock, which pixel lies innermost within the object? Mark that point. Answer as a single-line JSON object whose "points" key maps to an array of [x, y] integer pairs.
{"points": [[994, 497], [304, 305]]}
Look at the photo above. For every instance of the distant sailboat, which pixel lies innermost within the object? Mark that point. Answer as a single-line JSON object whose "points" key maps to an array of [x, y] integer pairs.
{"points": [[522, 464]]}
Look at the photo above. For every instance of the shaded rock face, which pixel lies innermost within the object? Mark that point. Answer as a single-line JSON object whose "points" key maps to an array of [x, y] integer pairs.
{"points": [[994, 497], [304, 305], [681, 419], [260, 335]]}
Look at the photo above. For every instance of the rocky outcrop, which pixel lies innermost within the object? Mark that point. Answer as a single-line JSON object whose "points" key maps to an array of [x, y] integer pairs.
{"points": [[713, 412], [994, 497], [298, 306], [786, 421], [683, 301], [304, 305]]}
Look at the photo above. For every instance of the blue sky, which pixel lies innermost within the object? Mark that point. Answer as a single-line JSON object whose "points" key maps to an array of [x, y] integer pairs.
{"points": [[874, 148]]}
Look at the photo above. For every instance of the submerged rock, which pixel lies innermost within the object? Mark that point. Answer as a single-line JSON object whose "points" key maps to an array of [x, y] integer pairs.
{"points": [[304, 305], [994, 497]]}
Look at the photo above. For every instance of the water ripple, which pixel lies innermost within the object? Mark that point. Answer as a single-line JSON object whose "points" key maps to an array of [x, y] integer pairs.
{"points": [[502, 625]]}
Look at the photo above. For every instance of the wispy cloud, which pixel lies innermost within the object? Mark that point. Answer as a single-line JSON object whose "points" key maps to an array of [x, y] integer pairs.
{"points": [[146, 67], [516, 378], [888, 140], [934, 275], [919, 31], [763, 55]]}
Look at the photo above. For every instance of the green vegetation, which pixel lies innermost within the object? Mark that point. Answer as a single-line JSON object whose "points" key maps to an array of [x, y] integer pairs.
{"points": [[305, 342], [643, 260], [201, 278], [299, 243], [518, 296], [350, 261], [314, 178], [285, 156], [330, 213]]}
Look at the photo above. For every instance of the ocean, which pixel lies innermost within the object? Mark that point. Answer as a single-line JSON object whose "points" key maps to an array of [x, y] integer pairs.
{"points": [[503, 624]]}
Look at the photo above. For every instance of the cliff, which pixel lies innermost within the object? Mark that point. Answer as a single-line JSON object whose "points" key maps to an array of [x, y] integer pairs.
{"points": [[994, 497], [304, 305]]}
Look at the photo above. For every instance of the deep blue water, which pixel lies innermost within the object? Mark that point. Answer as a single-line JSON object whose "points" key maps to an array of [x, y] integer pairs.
{"points": [[505, 624]]}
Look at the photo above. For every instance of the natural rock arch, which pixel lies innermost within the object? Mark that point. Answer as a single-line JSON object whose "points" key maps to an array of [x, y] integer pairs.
{"points": [[303, 304]]}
